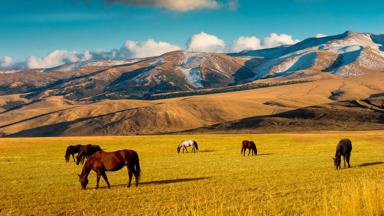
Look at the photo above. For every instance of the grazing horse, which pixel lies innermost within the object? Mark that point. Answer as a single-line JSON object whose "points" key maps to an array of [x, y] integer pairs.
{"points": [[250, 145], [72, 150], [343, 148], [86, 152], [103, 161], [186, 143]]}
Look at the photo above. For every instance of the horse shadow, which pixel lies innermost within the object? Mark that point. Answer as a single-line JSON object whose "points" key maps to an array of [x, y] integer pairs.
{"points": [[265, 154], [370, 164], [206, 150], [160, 182]]}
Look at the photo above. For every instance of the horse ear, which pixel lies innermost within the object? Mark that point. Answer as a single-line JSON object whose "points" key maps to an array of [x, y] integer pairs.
{"points": [[79, 175]]}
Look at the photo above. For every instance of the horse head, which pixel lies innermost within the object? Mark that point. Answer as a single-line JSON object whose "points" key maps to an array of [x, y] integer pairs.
{"points": [[336, 162], [178, 149], [83, 181], [79, 158], [66, 156]]}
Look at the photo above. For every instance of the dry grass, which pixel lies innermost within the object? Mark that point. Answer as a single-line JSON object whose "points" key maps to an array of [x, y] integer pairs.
{"points": [[293, 175], [54, 116]]}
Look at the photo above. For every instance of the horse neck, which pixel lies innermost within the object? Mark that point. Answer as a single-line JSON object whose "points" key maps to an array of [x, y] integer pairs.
{"points": [[86, 168], [82, 154], [338, 153], [67, 154]]}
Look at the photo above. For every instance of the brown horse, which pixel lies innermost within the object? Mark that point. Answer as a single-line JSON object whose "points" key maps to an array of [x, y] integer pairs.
{"points": [[72, 150], [343, 148], [250, 145], [86, 152], [103, 161]]}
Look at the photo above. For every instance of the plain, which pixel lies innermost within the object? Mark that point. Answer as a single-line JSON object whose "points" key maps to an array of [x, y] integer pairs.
{"points": [[293, 174]]}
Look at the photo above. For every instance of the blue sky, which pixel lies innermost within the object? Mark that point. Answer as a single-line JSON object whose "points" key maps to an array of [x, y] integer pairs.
{"points": [[39, 27]]}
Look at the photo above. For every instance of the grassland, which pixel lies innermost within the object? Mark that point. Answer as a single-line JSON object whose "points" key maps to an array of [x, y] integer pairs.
{"points": [[292, 175]]}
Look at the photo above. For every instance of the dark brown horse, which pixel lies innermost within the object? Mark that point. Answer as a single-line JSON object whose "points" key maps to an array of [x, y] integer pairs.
{"points": [[72, 150], [250, 145], [86, 152], [103, 161], [343, 148]]}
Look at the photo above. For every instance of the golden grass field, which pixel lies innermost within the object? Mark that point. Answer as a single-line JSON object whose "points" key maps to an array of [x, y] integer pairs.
{"points": [[292, 175]]}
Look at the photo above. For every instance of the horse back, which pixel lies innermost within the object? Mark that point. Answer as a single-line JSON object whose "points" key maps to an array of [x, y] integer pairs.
{"points": [[248, 144], [344, 147], [112, 161], [245, 143]]}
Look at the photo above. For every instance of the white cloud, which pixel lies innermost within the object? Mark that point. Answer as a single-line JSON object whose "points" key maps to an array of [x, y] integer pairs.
{"points": [[6, 61], [320, 35], [275, 40], [201, 42], [135, 49], [56, 58], [131, 49], [204, 42], [175, 5], [254, 43], [245, 43]]}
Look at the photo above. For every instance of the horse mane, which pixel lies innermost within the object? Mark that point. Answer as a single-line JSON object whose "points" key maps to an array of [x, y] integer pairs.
{"points": [[67, 154], [86, 168], [81, 155]]}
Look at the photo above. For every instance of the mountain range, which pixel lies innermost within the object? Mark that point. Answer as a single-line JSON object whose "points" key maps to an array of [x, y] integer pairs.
{"points": [[328, 83]]}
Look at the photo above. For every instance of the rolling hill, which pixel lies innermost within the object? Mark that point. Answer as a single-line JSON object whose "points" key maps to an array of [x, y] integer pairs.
{"points": [[328, 83]]}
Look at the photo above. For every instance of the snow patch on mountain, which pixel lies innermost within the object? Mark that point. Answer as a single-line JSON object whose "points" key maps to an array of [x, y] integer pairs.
{"points": [[193, 76], [190, 67]]}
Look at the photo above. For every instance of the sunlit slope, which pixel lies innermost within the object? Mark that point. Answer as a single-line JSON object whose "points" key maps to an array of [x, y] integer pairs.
{"points": [[56, 116]]}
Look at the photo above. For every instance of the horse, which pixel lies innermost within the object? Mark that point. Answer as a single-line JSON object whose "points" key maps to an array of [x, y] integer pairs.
{"points": [[250, 145], [186, 143], [72, 150], [343, 148], [103, 161], [86, 152]]}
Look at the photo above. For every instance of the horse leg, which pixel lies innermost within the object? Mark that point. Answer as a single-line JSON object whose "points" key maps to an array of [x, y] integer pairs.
{"points": [[130, 176], [97, 179], [344, 161], [186, 149], [105, 178], [348, 156], [249, 151], [73, 156]]}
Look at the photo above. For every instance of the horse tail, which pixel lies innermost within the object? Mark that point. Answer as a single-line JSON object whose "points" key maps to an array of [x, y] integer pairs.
{"points": [[137, 168], [195, 143]]}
